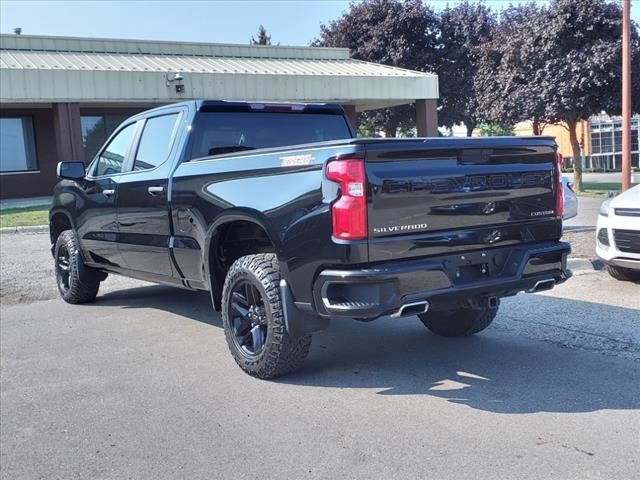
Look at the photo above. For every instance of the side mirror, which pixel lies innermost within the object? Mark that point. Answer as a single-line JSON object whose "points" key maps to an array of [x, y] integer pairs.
{"points": [[71, 170]]}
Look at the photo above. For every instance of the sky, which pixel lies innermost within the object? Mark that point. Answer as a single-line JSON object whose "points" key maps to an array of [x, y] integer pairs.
{"points": [[288, 22]]}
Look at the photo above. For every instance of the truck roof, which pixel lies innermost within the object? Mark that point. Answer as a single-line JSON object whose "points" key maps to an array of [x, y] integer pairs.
{"points": [[284, 107], [242, 106]]}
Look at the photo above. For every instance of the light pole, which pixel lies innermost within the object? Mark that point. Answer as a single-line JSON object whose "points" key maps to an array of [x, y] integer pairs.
{"points": [[626, 95]]}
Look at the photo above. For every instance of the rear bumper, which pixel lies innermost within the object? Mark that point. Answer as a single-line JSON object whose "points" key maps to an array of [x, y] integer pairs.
{"points": [[443, 281]]}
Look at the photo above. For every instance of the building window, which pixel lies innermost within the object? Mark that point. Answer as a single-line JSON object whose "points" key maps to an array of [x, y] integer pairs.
{"points": [[95, 131], [606, 145], [595, 142], [606, 142], [617, 139], [17, 145]]}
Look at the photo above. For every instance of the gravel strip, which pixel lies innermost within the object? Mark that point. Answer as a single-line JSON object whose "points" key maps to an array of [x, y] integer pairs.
{"points": [[583, 244]]}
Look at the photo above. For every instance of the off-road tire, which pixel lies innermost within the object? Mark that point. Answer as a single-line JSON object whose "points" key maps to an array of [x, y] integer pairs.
{"points": [[75, 290], [460, 322], [623, 274], [281, 353]]}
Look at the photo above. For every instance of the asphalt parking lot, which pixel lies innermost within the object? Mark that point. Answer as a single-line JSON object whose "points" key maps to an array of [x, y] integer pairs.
{"points": [[140, 385]]}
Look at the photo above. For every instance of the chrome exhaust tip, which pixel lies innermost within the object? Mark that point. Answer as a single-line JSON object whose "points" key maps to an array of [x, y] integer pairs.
{"points": [[414, 308], [542, 285]]}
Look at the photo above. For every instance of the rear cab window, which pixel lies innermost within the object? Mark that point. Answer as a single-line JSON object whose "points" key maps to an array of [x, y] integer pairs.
{"points": [[217, 133], [155, 142]]}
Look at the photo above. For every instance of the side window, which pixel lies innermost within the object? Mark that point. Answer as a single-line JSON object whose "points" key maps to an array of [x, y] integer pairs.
{"points": [[111, 160], [155, 142]]}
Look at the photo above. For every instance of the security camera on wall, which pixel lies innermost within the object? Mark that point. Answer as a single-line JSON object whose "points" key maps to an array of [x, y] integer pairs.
{"points": [[176, 80]]}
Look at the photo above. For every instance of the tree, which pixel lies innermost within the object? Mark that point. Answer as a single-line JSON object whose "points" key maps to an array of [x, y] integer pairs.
{"points": [[464, 28], [507, 65], [582, 72], [561, 62], [392, 32], [635, 68], [389, 120], [262, 38], [495, 129]]}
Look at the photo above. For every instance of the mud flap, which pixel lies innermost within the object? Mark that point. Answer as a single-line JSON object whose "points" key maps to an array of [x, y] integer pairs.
{"points": [[298, 322], [87, 274]]}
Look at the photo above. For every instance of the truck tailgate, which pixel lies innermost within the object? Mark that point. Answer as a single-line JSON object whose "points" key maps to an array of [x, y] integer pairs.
{"points": [[427, 197]]}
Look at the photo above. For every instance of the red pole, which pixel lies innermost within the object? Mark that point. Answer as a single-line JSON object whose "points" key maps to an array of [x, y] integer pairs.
{"points": [[626, 95]]}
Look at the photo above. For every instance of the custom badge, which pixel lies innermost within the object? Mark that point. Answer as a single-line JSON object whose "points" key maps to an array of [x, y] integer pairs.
{"points": [[292, 160]]}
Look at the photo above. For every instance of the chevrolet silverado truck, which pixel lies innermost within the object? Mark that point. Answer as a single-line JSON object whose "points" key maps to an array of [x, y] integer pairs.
{"points": [[288, 221]]}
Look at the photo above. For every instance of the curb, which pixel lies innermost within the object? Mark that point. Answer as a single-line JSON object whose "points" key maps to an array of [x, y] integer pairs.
{"points": [[581, 266], [578, 229], [24, 230]]}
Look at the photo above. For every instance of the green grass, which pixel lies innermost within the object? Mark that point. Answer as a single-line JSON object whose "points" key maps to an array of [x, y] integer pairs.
{"points": [[601, 186], [24, 217], [593, 189]]}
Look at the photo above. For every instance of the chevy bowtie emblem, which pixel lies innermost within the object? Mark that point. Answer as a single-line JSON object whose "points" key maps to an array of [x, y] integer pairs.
{"points": [[493, 237]]}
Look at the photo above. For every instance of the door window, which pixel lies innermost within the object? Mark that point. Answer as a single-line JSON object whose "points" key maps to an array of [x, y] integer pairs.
{"points": [[96, 129], [111, 160], [155, 142]]}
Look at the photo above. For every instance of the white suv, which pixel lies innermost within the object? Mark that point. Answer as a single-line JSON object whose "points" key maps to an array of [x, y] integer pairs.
{"points": [[618, 235]]}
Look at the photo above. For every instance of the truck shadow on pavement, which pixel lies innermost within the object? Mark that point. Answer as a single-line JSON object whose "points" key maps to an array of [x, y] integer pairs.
{"points": [[499, 371]]}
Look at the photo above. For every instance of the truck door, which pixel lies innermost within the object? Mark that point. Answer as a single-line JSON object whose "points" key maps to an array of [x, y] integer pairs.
{"points": [[97, 224], [143, 205]]}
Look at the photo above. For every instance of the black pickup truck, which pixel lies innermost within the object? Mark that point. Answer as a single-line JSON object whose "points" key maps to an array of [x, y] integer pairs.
{"points": [[289, 221]]}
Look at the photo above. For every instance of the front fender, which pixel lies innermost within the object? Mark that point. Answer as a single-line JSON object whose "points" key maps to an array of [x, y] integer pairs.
{"points": [[54, 230]]}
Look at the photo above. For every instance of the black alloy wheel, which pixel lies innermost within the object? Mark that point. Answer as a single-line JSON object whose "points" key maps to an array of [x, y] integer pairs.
{"points": [[76, 282], [63, 269], [254, 322], [248, 318]]}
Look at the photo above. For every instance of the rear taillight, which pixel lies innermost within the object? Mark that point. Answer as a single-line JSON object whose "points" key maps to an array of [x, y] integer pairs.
{"points": [[349, 212], [559, 193]]}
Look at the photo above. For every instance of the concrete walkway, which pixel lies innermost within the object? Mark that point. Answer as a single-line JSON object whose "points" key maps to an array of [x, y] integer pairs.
{"points": [[587, 218]]}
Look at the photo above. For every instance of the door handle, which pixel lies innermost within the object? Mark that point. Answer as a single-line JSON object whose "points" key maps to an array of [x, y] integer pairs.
{"points": [[155, 190], [107, 192]]}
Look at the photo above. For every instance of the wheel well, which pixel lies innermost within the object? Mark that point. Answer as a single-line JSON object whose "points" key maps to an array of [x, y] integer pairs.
{"points": [[234, 240], [58, 224]]}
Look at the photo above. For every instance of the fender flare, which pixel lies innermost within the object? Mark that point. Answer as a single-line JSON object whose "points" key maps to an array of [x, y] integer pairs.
{"points": [[227, 217], [60, 211]]}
